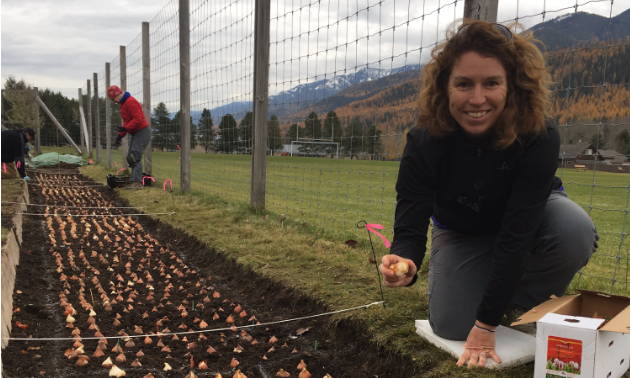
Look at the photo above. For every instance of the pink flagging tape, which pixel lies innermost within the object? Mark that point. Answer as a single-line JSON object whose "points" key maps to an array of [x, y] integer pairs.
{"points": [[91, 162], [120, 170], [4, 166], [18, 164], [180, 158], [170, 183], [372, 226], [178, 147], [116, 164], [147, 177]]}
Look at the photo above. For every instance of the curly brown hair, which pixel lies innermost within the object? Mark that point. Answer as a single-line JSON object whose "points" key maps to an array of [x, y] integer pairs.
{"points": [[527, 100]]}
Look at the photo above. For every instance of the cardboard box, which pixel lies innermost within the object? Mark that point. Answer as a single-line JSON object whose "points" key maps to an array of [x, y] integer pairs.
{"points": [[585, 335]]}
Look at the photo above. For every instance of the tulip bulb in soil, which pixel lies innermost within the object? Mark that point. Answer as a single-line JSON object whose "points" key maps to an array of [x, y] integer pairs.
{"points": [[304, 374], [238, 374], [400, 269], [116, 372], [234, 363], [283, 374], [167, 367]]}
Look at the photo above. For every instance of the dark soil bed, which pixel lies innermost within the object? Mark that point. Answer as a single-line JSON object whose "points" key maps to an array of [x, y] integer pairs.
{"points": [[190, 283]]}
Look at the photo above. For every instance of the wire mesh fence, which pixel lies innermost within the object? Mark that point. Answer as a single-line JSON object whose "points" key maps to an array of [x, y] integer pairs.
{"points": [[343, 85]]}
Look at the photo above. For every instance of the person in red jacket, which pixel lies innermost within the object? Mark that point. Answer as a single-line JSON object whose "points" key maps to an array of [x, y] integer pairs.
{"points": [[134, 124]]}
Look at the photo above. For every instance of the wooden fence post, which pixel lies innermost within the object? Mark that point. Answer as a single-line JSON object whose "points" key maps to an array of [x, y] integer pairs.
{"points": [[481, 10], [108, 118], [261, 84], [146, 93], [89, 119], [184, 84], [97, 119], [123, 86], [38, 129]]}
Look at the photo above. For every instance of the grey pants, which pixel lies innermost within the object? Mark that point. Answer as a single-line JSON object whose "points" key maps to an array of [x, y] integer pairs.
{"points": [[460, 266], [137, 144]]}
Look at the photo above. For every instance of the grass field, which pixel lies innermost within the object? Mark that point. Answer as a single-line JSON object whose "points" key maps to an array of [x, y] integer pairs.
{"points": [[314, 258], [333, 195]]}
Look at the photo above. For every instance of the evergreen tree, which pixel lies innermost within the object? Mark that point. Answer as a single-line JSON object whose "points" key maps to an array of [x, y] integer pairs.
{"points": [[313, 126], [65, 111], [205, 130], [373, 141], [177, 127], [598, 141], [295, 132], [353, 138], [332, 130], [228, 134], [274, 134], [161, 128], [245, 131], [622, 141]]}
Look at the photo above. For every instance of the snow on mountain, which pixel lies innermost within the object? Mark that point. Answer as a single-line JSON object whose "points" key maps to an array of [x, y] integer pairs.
{"points": [[309, 93]]}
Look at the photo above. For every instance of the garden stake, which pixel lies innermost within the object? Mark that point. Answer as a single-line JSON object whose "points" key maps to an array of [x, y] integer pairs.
{"points": [[192, 365], [193, 305], [378, 274], [315, 344], [91, 295], [117, 344]]}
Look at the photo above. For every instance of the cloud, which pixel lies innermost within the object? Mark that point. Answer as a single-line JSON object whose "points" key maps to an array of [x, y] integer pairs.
{"points": [[60, 43]]}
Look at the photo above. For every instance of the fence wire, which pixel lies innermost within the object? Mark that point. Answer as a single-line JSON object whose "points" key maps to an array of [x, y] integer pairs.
{"points": [[343, 86]]}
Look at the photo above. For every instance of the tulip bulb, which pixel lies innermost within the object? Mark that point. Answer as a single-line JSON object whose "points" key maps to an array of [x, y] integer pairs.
{"points": [[400, 269], [116, 372]]}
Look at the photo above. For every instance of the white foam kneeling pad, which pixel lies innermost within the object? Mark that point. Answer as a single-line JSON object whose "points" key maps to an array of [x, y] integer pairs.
{"points": [[514, 347]]}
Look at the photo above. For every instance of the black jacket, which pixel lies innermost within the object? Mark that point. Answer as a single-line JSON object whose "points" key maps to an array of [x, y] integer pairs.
{"points": [[470, 187], [13, 146]]}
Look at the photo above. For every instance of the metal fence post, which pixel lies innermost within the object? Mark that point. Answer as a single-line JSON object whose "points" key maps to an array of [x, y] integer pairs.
{"points": [[481, 10], [261, 84], [97, 119], [146, 93], [88, 104], [38, 129], [184, 80], [123, 86], [108, 119], [81, 135]]}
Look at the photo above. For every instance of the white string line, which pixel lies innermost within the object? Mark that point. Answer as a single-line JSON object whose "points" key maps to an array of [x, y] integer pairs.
{"points": [[95, 215], [70, 186], [77, 207], [193, 332]]}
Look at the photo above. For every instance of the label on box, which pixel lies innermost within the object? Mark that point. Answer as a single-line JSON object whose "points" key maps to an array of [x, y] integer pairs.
{"points": [[564, 357]]}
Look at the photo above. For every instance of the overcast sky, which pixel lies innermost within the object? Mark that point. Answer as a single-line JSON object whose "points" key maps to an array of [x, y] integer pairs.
{"points": [[60, 43]]}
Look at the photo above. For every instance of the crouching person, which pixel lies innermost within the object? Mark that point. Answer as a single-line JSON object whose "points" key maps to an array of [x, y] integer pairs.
{"points": [[136, 125], [14, 148]]}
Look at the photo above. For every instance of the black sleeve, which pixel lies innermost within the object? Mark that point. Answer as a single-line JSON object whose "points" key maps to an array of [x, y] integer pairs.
{"points": [[522, 217], [12, 149], [414, 200]]}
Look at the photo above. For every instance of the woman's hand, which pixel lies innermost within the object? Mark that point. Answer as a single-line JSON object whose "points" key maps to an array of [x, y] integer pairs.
{"points": [[389, 277], [479, 346]]}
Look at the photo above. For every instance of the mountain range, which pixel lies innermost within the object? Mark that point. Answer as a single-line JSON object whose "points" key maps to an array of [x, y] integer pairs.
{"points": [[339, 92]]}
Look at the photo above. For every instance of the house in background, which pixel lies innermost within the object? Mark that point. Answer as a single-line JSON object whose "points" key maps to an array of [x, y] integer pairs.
{"points": [[581, 153], [613, 157]]}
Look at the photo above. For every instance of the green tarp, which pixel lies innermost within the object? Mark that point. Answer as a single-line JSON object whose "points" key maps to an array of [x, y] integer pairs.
{"points": [[53, 158]]}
